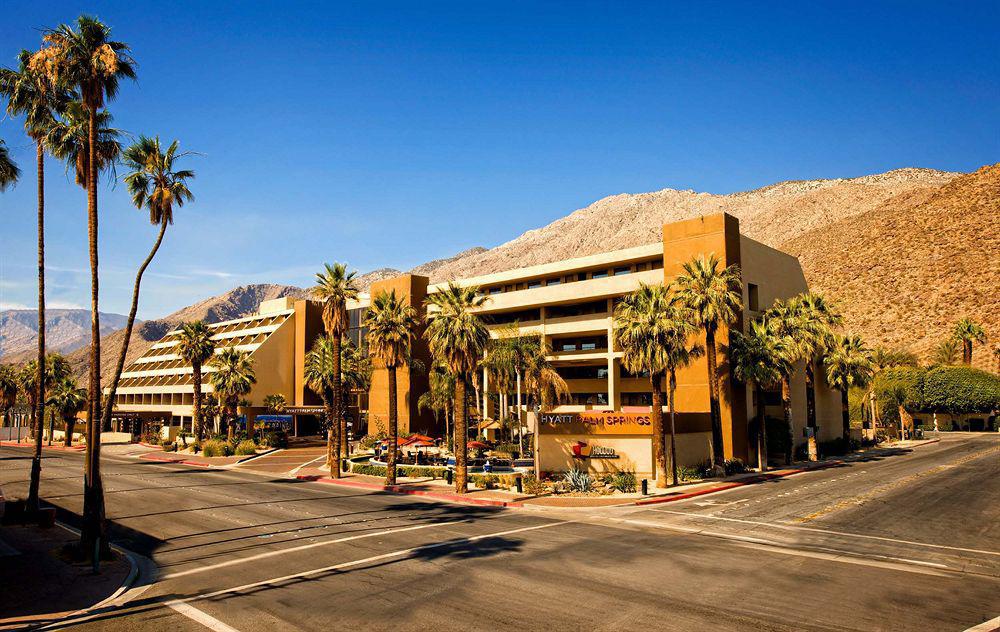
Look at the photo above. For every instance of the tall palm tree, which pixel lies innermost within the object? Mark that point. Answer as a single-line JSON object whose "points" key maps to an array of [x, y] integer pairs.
{"points": [[391, 323], [457, 338], [439, 397], [53, 369], [33, 95], [968, 331], [195, 345], [761, 358], [86, 59], [649, 327], [541, 377], [68, 399], [334, 287], [157, 186], [714, 298], [320, 369], [882, 359], [68, 139], [946, 352], [9, 173], [817, 318], [232, 378], [9, 386], [784, 321], [848, 364]]}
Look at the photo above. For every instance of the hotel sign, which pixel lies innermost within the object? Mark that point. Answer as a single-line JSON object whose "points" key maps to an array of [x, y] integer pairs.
{"points": [[596, 422]]}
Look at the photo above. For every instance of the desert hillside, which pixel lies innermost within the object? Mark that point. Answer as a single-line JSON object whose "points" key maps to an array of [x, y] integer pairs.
{"points": [[65, 330]]}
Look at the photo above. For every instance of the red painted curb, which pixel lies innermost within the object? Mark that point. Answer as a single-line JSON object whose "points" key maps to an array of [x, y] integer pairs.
{"points": [[396, 489], [749, 481], [15, 444]]}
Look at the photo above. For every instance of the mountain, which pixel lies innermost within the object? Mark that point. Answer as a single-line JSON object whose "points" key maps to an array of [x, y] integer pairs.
{"points": [[236, 303], [65, 330]]}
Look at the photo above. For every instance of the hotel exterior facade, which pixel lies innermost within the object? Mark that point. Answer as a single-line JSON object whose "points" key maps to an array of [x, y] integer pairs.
{"points": [[570, 304]]}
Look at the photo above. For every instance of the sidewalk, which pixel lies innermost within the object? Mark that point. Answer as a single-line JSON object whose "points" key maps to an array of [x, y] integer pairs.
{"points": [[41, 585]]}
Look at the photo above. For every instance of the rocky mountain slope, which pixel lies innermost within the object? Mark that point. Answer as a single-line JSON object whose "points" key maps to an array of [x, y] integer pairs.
{"points": [[65, 330]]}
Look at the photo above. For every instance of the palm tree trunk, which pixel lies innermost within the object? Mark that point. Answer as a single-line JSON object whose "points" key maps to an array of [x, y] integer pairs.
{"points": [[786, 409], [811, 409], [93, 530], [39, 409], [109, 408], [659, 449], [199, 425], [845, 413], [338, 412], [390, 469], [461, 437], [70, 427], [718, 450], [673, 429], [761, 431], [967, 352], [520, 427]]}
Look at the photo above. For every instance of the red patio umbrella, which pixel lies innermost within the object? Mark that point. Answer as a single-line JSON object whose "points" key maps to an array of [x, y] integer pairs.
{"points": [[477, 445]]}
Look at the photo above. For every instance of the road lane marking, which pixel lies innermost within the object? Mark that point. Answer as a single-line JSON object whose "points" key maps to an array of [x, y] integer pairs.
{"points": [[294, 549], [200, 616], [844, 557], [374, 558], [296, 470], [986, 626], [829, 531]]}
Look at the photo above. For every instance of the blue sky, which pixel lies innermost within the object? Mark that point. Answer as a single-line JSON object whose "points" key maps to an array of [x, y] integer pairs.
{"points": [[390, 134]]}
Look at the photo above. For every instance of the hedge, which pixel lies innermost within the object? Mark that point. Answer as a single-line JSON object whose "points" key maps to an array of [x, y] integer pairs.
{"points": [[947, 389]]}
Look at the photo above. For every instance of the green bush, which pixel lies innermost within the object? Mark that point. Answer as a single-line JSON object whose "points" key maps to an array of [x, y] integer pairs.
{"points": [[369, 440], [960, 390], [485, 481], [688, 473], [368, 469], [245, 447], [215, 448], [275, 439], [624, 482], [534, 486]]}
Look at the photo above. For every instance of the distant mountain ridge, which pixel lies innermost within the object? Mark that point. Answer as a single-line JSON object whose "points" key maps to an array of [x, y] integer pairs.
{"points": [[65, 330]]}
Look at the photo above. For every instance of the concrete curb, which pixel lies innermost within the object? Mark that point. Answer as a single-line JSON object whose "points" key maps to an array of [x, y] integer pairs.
{"points": [[15, 444], [161, 458], [398, 489]]}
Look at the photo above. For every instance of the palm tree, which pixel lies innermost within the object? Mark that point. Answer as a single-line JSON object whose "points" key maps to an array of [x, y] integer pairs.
{"points": [[882, 359], [391, 323], [9, 386], [440, 397], [68, 139], [946, 352], [275, 404], [9, 173], [232, 378], [759, 357], [649, 329], [155, 185], [33, 95], [541, 377], [51, 370], [848, 364], [457, 338], [195, 345], [967, 331], [335, 286], [320, 369], [714, 298], [817, 318], [86, 59], [68, 400]]}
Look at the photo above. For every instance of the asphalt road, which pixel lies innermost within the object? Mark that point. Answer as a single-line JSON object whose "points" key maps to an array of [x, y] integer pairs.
{"points": [[907, 541]]}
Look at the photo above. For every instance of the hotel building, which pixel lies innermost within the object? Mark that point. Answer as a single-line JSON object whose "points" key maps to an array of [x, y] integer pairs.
{"points": [[569, 303]]}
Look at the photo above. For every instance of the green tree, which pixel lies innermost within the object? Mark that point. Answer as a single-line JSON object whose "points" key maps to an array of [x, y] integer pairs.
{"points": [[946, 352], [391, 323], [195, 345], [155, 185], [232, 378], [540, 376], [848, 365], [335, 286], [320, 369], [9, 172], [275, 404], [68, 139], [759, 357], [457, 338], [85, 58], [439, 397], [648, 328], [68, 399], [816, 319], [714, 298], [34, 96], [967, 331], [784, 322], [54, 369]]}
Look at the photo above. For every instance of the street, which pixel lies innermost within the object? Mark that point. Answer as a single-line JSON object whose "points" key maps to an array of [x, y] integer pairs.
{"points": [[901, 541]]}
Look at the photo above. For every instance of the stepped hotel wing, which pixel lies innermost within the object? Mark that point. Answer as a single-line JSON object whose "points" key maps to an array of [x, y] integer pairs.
{"points": [[604, 423]]}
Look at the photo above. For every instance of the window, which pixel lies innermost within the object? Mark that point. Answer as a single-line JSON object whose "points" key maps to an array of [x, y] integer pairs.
{"points": [[637, 399], [505, 318], [590, 399], [753, 300], [586, 343], [578, 309], [626, 374], [534, 284], [599, 274], [657, 265], [553, 281], [583, 372], [496, 290], [623, 270]]}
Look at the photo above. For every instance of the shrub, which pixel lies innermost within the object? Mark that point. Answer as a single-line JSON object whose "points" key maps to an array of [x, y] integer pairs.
{"points": [[169, 446], [215, 448], [960, 390], [276, 439], [735, 466], [688, 473], [196, 446], [534, 486], [578, 480], [246, 447], [624, 482], [368, 469], [152, 434], [369, 440], [485, 481]]}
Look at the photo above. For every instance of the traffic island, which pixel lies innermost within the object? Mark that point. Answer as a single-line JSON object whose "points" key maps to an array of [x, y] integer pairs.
{"points": [[43, 584]]}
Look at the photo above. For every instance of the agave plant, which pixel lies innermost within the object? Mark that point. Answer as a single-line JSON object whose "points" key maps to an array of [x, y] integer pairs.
{"points": [[578, 480]]}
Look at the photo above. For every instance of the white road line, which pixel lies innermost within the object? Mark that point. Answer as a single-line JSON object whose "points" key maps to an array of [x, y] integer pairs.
{"points": [[986, 626], [847, 559], [374, 558], [200, 616], [830, 532], [296, 470], [294, 549]]}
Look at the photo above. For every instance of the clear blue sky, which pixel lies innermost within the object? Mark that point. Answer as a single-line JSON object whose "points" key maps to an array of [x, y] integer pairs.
{"points": [[391, 134]]}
